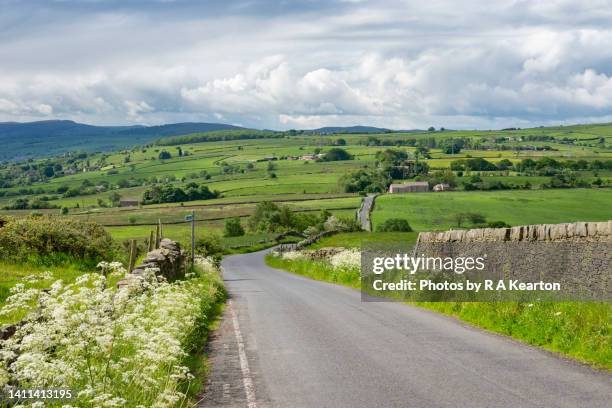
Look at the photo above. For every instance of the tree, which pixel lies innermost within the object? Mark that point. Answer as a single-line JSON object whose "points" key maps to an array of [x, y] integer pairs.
{"points": [[48, 171], [233, 228], [340, 142], [271, 166], [394, 225], [265, 217], [444, 177], [114, 198], [504, 164], [422, 151], [431, 129], [168, 193], [364, 181], [337, 154], [452, 146], [164, 155], [391, 157]]}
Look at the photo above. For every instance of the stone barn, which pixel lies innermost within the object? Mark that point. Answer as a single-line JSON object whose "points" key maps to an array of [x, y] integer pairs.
{"points": [[413, 187]]}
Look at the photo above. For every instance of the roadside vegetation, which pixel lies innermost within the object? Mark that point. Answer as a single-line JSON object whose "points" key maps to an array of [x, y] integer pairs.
{"points": [[125, 346], [68, 323]]}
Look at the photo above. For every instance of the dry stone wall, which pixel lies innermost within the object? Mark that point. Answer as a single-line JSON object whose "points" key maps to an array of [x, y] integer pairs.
{"points": [[577, 231], [577, 255], [169, 259]]}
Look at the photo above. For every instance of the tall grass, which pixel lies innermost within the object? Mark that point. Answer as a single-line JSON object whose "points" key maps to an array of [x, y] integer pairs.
{"points": [[318, 270]]}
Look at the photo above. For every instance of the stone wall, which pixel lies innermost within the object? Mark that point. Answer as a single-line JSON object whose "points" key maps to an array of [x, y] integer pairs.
{"points": [[577, 231], [577, 255], [169, 259]]}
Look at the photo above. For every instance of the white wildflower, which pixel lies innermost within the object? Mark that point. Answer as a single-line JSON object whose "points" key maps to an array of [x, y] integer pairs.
{"points": [[293, 255], [346, 259], [104, 341]]}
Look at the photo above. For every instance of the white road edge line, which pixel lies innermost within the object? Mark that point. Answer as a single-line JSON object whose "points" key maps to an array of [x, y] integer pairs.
{"points": [[249, 389]]}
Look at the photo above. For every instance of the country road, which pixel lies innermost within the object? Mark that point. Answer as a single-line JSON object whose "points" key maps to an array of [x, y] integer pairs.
{"points": [[287, 341]]}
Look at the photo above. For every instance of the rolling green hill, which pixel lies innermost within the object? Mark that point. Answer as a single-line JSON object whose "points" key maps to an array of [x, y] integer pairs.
{"points": [[54, 137]]}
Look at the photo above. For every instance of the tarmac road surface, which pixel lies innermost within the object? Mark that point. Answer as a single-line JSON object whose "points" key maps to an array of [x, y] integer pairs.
{"points": [[287, 341]]}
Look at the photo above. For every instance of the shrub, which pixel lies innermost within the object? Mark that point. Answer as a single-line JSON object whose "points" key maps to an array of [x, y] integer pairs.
{"points": [[210, 246], [395, 225], [164, 155], [497, 224], [50, 237], [233, 228], [476, 218], [337, 154]]}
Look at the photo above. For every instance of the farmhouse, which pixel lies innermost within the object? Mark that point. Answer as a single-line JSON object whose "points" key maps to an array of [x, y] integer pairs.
{"points": [[129, 203], [413, 187], [308, 157], [441, 187]]}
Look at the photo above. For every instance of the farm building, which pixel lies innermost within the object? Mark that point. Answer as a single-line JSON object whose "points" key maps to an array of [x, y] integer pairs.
{"points": [[413, 187], [129, 203], [441, 187]]}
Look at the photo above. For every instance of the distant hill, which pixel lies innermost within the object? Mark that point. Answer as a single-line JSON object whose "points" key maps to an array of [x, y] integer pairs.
{"points": [[348, 129], [52, 137]]}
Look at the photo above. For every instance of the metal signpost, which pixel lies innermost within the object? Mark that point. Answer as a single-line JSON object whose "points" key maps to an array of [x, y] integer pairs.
{"points": [[191, 218]]}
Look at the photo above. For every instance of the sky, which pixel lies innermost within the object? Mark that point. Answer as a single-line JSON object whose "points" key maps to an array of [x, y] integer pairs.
{"points": [[459, 64]]}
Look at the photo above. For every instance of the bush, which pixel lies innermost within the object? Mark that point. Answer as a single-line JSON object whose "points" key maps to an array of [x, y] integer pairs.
{"points": [[364, 181], [48, 238], [497, 224], [476, 218], [210, 246], [395, 225], [337, 154], [233, 228]]}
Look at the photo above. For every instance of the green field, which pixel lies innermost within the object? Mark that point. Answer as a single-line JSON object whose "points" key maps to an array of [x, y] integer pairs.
{"points": [[436, 211], [238, 170]]}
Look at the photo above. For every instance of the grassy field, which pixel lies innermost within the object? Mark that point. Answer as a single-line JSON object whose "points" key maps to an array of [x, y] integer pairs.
{"points": [[436, 211], [238, 170]]}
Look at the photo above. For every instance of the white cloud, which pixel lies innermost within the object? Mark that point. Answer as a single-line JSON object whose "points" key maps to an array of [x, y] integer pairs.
{"points": [[387, 63]]}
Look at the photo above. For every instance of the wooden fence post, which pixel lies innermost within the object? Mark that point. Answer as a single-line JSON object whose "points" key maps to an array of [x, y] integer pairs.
{"points": [[151, 241], [161, 229], [157, 236], [132, 255]]}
